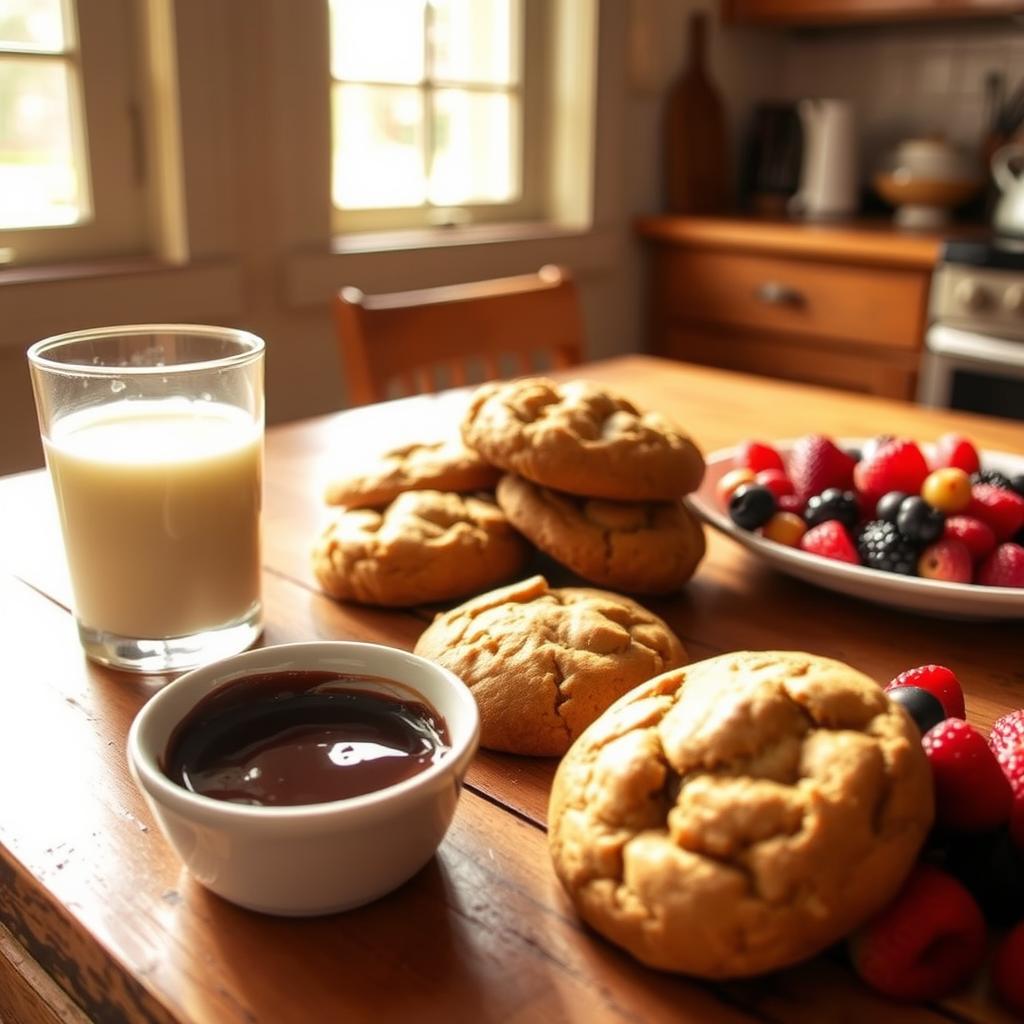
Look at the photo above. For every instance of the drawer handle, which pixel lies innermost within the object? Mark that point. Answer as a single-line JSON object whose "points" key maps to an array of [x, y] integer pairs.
{"points": [[776, 293]]}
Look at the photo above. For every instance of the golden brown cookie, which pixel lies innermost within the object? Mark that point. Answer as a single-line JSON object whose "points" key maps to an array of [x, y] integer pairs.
{"points": [[740, 814], [437, 465], [544, 663], [644, 547], [578, 438], [425, 546]]}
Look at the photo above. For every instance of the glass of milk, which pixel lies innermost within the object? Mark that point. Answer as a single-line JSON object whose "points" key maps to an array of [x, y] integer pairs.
{"points": [[154, 440]]}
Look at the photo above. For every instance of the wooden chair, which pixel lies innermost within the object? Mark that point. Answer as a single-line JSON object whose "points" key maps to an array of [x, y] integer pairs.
{"points": [[421, 341]]}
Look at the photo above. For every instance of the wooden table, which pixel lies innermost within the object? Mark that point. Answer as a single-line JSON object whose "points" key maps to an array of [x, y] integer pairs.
{"points": [[93, 899]]}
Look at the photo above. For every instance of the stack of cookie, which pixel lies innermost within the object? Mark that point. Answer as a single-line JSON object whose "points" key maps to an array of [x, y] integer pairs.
{"points": [[591, 481]]}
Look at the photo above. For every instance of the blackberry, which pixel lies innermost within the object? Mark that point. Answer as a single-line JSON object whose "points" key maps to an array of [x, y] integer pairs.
{"points": [[833, 503], [993, 477], [881, 546]]}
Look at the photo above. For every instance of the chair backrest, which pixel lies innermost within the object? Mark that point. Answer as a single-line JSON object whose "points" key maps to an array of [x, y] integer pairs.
{"points": [[421, 341]]}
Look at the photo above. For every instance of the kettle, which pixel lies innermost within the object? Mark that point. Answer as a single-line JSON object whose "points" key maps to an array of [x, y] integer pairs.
{"points": [[828, 172], [1008, 216]]}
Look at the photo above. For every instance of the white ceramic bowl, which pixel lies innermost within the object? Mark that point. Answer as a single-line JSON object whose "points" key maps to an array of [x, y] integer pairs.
{"points": [[314, 858]]}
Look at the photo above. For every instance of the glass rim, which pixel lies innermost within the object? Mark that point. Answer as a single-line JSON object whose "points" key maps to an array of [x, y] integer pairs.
{"points": [[253, 347]]}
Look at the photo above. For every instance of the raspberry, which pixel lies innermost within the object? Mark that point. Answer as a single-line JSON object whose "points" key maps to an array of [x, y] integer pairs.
{"points": [[882, 546], [940, 682], [975, 535], [1007, 735], [954, 450], [1008, 970], [896, 465], [1003, 568], [1013, 768], [1002, 510], [758, 456], [776, 481], [815, 464], [830, 540]]}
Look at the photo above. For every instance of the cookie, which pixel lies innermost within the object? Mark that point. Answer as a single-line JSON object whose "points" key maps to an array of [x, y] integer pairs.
{"points": [[425, 546], [740, 814], [644, 547], [543, 663], [578, 438], [438, 465]]}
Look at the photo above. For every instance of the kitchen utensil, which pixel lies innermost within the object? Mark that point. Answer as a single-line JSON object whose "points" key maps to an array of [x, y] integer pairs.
{"points": [[1008, 170], [828, 175]]}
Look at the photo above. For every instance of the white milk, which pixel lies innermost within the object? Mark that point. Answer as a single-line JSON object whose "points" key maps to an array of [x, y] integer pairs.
{"points": [[159, 501]]}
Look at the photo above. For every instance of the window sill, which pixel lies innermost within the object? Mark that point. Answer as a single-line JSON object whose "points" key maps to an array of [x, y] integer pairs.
{"points": [[440, 237]]}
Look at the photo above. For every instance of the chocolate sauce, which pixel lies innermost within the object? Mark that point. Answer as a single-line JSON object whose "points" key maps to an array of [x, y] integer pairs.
{"points": [[287, 738]]}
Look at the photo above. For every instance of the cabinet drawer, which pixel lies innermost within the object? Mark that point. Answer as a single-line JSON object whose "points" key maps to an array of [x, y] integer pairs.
{"points": [[771, 293]]}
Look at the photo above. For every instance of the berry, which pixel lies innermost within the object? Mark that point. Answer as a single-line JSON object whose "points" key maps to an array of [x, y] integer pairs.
{"points": [[971, 791], [897, 465], [882, 546], [939, 681], [757, 455], [1003, 568], [833, 503], [751, 506], [918, 521], [729, 482], [925, 709], [926, 942], [830, 540], [815, 463], [946, 560], [1017, 484], [1007, 735], [975, 535], [1008, 970], [948, 490], [873, 444], [957, 451], [888, 505], [776, 481], [1002, 510], [992, 477], [785, 528], [791, 503], [1013, 768], [992, 868]]}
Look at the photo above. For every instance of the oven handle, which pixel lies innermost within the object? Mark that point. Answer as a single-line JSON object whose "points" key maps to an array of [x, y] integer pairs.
{"points": [[978, 348]]}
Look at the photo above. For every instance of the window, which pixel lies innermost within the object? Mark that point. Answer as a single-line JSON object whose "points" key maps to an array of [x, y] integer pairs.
{"points": [[65, 83], [431, 103]]}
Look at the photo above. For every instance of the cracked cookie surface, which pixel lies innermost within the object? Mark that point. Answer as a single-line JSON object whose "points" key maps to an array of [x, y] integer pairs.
{"points": [[740, 814], [581, 439], [544, 662], [437, 465], [641, 547], [425, 546]]}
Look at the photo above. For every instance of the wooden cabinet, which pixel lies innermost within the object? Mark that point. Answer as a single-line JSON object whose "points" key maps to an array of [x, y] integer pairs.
{"points": [[840, 307], [840, 12]]}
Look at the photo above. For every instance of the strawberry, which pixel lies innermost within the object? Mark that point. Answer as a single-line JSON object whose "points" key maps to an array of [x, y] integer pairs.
{"points": [[830, 540], [947, 560], [1013, 768], [1003, 568], [1002, 510], [976, 535], [940, 682], [815, 464], [956, 451], [896, 465], [927, 942], [1008, 970], [971, 791], [1007, 735], [776, 481], [757, 455]]}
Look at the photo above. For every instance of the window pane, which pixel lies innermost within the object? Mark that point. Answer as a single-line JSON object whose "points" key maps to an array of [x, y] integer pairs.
{"points": [[41, 181], [475, 40], [473, 157], [377, 40], [32, 24], [378, 147]]}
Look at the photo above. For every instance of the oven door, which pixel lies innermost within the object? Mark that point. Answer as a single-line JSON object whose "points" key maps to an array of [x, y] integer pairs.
{"points": [[974, 372]]}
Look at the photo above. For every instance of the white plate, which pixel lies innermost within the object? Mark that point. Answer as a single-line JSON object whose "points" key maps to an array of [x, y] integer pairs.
{"points": [[910, 593]]}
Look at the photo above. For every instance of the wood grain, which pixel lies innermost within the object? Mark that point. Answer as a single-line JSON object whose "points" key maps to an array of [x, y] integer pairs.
{"points": [[859, 12]]}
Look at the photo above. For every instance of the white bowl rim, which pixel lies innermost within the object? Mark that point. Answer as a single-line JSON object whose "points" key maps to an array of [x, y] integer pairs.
{"points": [[226, 670]]}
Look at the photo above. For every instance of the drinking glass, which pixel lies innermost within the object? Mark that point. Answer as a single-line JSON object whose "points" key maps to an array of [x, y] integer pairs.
{"points": [[153, 437]]}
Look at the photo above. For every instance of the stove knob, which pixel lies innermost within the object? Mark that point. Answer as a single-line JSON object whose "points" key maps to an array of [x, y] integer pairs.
{"points": [[971, 295], [1013, 299]]}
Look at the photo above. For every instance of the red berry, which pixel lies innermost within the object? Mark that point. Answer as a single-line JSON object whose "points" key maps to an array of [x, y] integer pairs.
{"points": [[971, 791], [976, 535], [1002, 510], [830, 540], [776, 481], [940, 682], [1003, 568], [1013, 768], [815, 464], [924, 944], [757, 455], [791, 503], [1008, 970], [946, 560], [1007, 735], [954, 450], [897, 465]]}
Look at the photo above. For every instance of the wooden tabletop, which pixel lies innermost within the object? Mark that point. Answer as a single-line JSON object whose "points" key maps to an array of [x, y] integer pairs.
{"points": [[91, 897]]}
